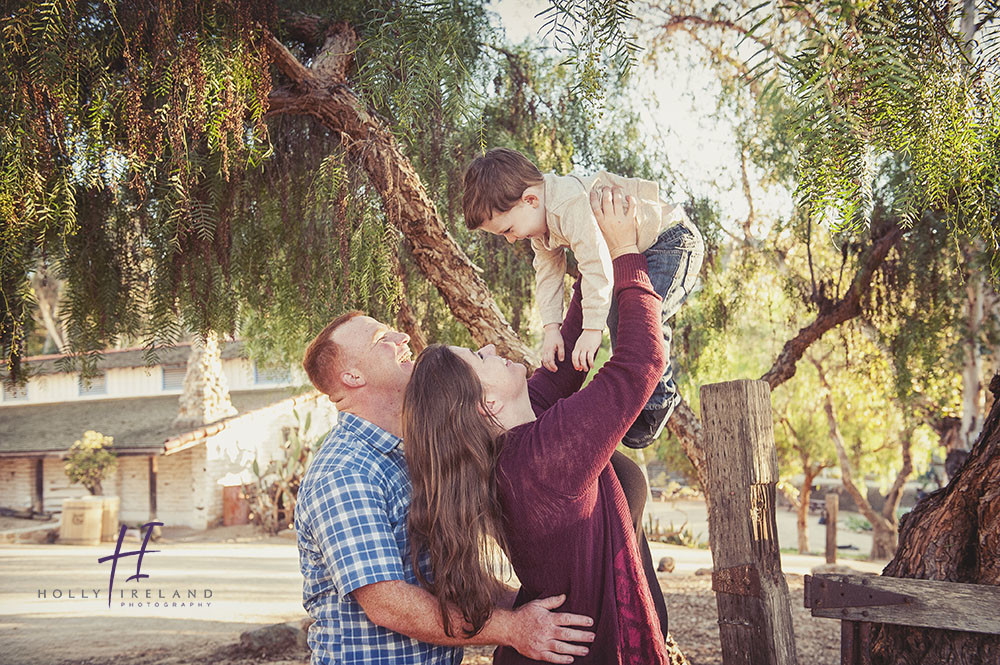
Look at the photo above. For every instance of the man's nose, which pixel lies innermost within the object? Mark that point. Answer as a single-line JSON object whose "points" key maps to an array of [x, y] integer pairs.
{"points": [[511, 238], [489, 350], [402, 338]]}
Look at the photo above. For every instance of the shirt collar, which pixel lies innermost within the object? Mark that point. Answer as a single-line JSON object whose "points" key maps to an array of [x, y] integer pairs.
{"points": [[373, 435]]}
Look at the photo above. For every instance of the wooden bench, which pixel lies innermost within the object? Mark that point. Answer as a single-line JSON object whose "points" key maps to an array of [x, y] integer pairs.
{"points": [[860, 601]]}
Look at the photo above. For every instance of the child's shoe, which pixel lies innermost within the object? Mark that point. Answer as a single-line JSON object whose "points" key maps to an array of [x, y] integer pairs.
{"points": [[647, 426]]}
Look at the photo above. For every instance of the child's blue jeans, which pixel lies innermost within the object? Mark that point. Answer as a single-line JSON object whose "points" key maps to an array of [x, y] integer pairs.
{"points": [[674, 262]]}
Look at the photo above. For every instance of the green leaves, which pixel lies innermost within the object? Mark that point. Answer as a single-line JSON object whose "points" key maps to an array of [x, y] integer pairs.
{"points": [[149, 111], [872, 79], [594, 34], [90, 461]]}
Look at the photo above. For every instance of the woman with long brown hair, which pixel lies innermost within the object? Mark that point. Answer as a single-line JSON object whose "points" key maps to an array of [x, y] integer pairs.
{"points": [[495, 456]]}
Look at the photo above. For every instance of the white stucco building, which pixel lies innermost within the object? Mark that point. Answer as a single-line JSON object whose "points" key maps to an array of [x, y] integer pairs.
{"points": [[173, 474]]}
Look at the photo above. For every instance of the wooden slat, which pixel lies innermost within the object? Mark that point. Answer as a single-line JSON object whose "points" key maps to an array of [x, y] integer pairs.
{"points": [[969, 607]]}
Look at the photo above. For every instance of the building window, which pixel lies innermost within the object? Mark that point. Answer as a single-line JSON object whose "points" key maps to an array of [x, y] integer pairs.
{"points": [[15, 393], [264, 375], [97, 385], [173, 376]]}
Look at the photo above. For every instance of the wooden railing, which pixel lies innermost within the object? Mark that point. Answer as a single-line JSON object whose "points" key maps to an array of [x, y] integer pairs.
{"points": [[861, 601]]}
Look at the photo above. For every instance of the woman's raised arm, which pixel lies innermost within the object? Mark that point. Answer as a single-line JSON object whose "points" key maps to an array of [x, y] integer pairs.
{"points": [[575, 438]]}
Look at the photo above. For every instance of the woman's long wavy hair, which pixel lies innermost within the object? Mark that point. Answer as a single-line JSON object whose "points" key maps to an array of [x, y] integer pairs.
{"points": [[451, 451]]}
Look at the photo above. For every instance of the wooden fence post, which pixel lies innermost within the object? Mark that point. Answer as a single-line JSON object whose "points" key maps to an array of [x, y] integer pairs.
{"points": [[832, 505], [755, 620]]}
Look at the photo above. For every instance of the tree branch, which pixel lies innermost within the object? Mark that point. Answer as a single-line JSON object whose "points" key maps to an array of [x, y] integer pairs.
{"points": [[290, 66], [370, 145], [687, 428], [844, 309], [896, 491], [847, 477], [687, 21]]}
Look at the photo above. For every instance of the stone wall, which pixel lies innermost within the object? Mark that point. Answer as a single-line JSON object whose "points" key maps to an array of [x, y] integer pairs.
{"points": [[205, 397]]}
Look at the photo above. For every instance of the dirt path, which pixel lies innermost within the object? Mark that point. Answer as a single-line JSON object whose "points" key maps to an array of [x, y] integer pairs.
{"points": [[254, 581], [692, 621]]}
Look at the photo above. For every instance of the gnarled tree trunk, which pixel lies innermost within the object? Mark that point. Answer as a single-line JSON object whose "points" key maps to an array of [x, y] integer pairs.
{"points": [[951, 535], [322, 91]]}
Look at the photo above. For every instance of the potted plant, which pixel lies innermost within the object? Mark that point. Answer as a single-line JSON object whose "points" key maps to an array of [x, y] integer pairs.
{"points": [[90, 460]]}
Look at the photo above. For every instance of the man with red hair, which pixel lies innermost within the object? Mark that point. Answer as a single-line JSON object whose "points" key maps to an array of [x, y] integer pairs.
{"points": [[351, 520]]}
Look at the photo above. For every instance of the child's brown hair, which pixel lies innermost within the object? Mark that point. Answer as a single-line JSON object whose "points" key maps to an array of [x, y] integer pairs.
{"points": [[494, 184]]}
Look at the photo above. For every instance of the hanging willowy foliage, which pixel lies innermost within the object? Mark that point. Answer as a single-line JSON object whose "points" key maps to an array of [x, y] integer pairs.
{"points": [[196, 166], [866, 80], [139, 163], [873, 78], [125, 127]]}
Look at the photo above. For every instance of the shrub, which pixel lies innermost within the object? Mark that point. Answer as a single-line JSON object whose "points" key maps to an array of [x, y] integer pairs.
{"points": [[90, 461]]}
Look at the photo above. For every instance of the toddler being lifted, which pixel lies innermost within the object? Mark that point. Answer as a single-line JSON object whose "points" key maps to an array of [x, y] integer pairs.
{"points": [[507, 195]]}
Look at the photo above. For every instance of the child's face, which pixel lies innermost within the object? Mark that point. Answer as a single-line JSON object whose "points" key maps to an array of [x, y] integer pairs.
{"points": [[525, 220]]}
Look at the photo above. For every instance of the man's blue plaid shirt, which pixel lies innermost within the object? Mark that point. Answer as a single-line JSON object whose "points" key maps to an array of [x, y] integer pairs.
{"points": [[351, 522]]}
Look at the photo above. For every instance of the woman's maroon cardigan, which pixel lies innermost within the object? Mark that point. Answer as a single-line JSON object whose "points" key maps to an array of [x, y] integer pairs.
{"points": [[567, 523]]}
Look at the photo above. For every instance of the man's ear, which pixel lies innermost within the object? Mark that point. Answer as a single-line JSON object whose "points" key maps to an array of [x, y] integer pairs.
{"points": [[352, 378], [531, 198]]}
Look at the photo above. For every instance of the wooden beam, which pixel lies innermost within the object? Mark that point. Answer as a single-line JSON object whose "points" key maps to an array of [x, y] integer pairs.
{"points": [[38, 498], [755, 620], [930, 603], [152, 487], [832, 507], [855, 643]]}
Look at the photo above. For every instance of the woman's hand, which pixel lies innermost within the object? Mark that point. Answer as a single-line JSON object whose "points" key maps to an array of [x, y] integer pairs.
{"points": [[617, 218]]}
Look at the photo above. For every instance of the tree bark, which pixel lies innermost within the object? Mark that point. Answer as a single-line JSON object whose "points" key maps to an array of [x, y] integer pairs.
{"points": [[972, 368], [684, 424], [46, 288], [323, 93], [952, 535]]}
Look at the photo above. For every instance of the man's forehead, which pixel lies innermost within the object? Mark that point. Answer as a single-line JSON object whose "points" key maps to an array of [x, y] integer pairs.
{"points": [[358, 329]]}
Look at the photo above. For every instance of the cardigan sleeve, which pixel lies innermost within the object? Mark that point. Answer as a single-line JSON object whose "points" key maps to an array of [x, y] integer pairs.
{"points": [[572, 441], [545, 388]]}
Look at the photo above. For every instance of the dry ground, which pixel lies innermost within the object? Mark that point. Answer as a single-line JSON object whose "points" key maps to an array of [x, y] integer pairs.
{"points": [[690, 602]]}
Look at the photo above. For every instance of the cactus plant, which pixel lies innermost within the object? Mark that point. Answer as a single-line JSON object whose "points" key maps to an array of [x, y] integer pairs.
{"points": [[274, 490]]}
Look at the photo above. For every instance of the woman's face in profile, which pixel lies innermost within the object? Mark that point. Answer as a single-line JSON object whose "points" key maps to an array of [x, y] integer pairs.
{"points": [[501, 378]]}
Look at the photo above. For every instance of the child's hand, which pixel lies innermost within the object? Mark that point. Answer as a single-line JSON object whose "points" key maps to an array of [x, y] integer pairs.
{"points": [[586, 349], [552, 347]]}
